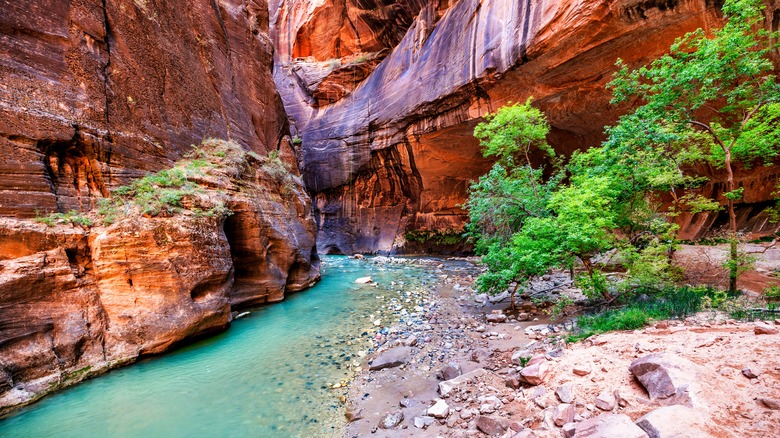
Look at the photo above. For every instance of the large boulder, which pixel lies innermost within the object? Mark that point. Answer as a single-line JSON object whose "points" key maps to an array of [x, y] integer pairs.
{"points": [[674, 422], [668, 379], [391, 358], [609, 426]]}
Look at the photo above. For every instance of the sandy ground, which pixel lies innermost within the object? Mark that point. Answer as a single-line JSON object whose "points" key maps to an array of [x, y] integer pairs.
{"points": [[724, 398]]}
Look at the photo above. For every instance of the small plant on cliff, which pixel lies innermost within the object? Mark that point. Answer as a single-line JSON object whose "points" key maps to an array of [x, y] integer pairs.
{"points": [[710, 100], [72, 217]]}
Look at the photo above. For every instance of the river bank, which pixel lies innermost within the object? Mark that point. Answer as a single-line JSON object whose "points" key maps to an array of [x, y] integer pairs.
{"points": [[518, 379]]}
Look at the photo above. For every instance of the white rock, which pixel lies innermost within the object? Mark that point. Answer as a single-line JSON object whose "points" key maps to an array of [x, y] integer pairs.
{"points": [[439, 410]]}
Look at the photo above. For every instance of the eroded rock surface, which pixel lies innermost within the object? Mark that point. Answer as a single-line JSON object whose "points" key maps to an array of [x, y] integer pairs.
{"points": [[76, 302], [94, 94], [389, 153], [394, 155]]}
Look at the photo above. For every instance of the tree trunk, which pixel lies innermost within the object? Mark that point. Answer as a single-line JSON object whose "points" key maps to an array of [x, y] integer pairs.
{"points": [[733, 252], [512, 296]]}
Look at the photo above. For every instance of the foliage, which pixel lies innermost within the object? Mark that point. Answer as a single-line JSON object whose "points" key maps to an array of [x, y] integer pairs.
{"points": [[710, 100], [443, 237], [512, 194], [72, 217], [671, 302]]}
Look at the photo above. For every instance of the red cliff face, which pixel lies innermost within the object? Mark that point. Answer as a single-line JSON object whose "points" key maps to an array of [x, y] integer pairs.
{"points": [[392, 155], [92, 95]]}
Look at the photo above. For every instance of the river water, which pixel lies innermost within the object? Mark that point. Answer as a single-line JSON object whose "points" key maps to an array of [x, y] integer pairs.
{"points": [[271, 374]]}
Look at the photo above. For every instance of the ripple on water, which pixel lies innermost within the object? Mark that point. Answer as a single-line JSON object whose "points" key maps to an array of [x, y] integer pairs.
{"points": [[269, 375]]}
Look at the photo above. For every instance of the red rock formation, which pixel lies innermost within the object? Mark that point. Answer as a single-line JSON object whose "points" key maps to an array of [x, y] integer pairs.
{"points": [[396, 154], [76, 302], [93, 94], [97, 92]]}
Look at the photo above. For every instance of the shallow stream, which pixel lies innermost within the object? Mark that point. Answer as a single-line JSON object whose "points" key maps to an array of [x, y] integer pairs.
{"points": [[271, 374]]}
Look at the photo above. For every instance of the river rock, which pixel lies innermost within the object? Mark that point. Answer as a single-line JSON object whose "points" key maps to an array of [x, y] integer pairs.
{"points": [[447, 386], [391, 420], [666, 377], [609, 426], [674, 422], [364, 280], [423, 421], [408, 402], [495, 317], [439, 410], [450, 371], [391, 358], [491, 425]]}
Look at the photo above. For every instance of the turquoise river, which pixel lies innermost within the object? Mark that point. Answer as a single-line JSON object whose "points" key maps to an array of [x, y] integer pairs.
{"points": [[269, 375]]}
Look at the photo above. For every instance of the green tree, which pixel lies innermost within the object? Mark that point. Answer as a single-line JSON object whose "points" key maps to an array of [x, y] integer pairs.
{"points": [[711, 99], [512, 192]]}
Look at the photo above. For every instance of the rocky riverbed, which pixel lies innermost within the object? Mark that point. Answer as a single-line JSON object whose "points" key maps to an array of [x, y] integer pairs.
{"points": [[447, 371]]}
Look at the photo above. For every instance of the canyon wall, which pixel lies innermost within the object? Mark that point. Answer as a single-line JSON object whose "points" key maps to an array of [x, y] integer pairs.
{"points": [[386, 130], [94, 94]]}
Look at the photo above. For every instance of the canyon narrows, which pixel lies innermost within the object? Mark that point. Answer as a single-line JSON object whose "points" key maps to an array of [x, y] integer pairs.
{"points": [[274, 131], [385, 96], [93, 95]]}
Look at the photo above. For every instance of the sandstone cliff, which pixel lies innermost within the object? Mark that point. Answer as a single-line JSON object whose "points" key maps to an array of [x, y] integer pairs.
{"points": [[390, 154], [94, 94]]}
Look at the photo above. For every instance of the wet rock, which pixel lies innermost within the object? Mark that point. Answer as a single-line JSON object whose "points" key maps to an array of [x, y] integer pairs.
{"points": [[605, 401], [565, 393], [447, 386], [364, 280], [666, 377], [563, 414], [762, 328], [391, 420], [609, 426], [771, 403], [492, 425], [674, 422], [439, 410], [449, 372], [423, 422]]}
